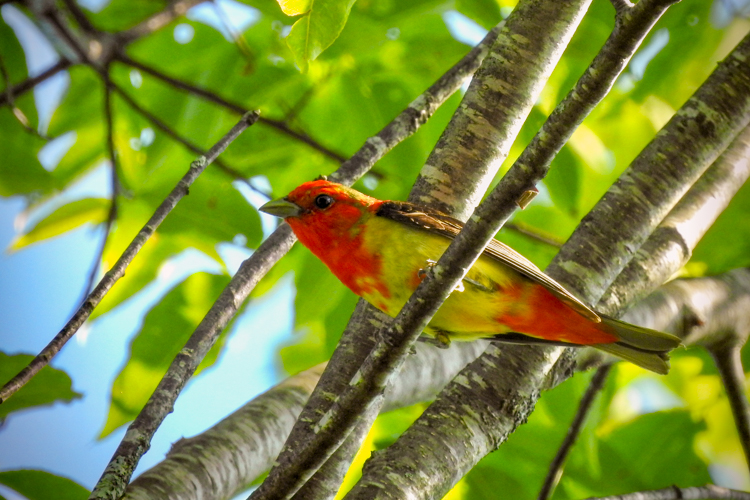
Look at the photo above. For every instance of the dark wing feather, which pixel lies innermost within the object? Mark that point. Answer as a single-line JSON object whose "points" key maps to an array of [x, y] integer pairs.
{"points": [[440, 223]]}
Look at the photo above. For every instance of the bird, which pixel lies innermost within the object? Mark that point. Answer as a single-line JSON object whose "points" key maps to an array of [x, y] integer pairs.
{"points": [[381, 250]]}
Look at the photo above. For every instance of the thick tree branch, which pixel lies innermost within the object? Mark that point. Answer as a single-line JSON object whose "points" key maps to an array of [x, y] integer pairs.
{"points": [[715, 315], [118, 270], [221, 461], [670, 246], [533, 58], [692, 140], [139, 434], [477, 411]]}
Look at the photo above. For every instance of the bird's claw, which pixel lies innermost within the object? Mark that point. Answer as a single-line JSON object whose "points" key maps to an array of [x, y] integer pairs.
{"points": [[422, 273], [438, 339]]}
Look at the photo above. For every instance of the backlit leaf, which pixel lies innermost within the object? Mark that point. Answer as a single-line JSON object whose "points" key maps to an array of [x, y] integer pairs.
{"points": [[49, 386]]}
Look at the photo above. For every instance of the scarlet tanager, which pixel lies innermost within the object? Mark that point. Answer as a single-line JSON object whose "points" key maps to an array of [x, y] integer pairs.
{"points": [[381, 249]]}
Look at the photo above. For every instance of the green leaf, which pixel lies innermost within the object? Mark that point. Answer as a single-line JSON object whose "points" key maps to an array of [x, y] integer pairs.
{"points": [[484, 12], [295, 7], [319, 27], [142, 270], [213, 212], [64, 219], [20, 170], [47, 387], [119, 15], [41, 485], [81, 112], [514, 467], [166, 328], [651, 452]]}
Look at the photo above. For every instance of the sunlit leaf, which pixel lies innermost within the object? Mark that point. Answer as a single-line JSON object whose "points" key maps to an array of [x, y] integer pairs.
{"points": [[295, 7], [41, 485], [166, 328], [47, 387], [65, 218], [484, 12], [319, 27]]}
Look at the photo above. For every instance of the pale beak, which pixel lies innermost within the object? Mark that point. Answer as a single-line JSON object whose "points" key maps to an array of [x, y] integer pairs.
{"points": [[281, 208]]}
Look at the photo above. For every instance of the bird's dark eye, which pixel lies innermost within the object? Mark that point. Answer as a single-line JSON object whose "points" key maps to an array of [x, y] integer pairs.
{"points": [[323, 201]]}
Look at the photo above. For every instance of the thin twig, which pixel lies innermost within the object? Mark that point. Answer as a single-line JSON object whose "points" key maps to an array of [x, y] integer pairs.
{"points": [[65, 34], [217, 99], [237, 37], [182, 140], [115, 187], [18, 112], [30, 83], [534, 234], [158, 20], [180, 84], [729, 362], [676, 493], [556, 467], [298, 106], [80, 17], [118, 270]]}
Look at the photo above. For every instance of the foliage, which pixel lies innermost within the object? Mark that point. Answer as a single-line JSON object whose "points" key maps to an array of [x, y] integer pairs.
{"points": [[48, 387], [361, 64]]}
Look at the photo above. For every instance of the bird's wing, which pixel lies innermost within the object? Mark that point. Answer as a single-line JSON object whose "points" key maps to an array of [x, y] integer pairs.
{"points": [[440, 223]]}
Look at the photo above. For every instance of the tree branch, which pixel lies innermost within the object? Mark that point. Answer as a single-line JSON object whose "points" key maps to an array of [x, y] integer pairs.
{"points": [[676, 493], [32, 82], [118, 270], [715, 315], [80, 17], [670, 246], [690, 142], [180, 139], [622, 7]]}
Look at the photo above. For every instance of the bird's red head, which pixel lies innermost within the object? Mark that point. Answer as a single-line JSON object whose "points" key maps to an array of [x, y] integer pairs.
{"points": [[320, 212]]}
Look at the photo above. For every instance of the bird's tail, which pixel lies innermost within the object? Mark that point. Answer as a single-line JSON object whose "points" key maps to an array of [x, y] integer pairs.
{"points": [[641, 346]]}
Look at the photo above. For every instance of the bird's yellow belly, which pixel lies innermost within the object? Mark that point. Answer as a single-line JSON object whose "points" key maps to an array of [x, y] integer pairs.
{"points": [[471, 311]]}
